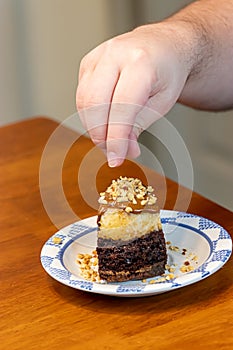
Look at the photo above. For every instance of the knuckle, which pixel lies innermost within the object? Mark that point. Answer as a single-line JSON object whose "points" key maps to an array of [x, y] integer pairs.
{"points": [[85, 99], [97, 138]]}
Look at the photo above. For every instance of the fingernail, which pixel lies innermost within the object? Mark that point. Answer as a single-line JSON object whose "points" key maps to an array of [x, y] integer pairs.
{"points": [[112, 159]]}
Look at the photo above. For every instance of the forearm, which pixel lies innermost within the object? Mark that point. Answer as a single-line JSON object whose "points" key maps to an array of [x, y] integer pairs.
{"points": [[210, 81]]}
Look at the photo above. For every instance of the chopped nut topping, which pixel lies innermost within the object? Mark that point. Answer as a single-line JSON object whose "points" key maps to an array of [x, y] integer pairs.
{"points": [[150, 189], [128, 209], [144, 201], [131, 196], [139, 196], [128, 191], [152, 200], [102, 200]]}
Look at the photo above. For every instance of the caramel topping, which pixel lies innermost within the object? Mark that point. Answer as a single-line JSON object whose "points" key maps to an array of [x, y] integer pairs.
{"points": [[128, 194]]}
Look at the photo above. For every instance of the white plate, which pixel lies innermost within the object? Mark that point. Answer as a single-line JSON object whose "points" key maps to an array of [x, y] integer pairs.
{"points": [[201, 237]]}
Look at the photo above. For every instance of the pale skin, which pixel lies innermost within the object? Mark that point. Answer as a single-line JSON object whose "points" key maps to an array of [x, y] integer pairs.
{"points": [[186, 58]]}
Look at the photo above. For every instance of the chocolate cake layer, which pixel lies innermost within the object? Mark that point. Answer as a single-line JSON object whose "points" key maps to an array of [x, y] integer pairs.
{"points": [[156, 269], [139, 258]]}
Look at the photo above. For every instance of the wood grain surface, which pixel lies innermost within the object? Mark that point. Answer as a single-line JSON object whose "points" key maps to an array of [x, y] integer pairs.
{"points": [[37, 160]]}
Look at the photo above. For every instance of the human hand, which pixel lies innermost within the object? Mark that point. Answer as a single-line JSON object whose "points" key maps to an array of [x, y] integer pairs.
{"points": [[123, 78]]}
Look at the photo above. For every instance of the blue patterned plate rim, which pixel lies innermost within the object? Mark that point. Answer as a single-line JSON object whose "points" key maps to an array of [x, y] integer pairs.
{"points": [[219, 243]]}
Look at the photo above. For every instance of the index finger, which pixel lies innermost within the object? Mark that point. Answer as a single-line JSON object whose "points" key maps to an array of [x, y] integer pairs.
{"points": [[93, 97], [130, 95]]}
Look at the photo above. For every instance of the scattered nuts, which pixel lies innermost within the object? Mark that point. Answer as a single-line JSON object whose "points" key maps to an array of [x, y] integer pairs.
{"points": [[174, 248], [57, 240], [187, 268], [88, 266]]}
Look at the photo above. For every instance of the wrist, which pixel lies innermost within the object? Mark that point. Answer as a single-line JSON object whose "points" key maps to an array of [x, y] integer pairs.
{"points": [[182, 38]]}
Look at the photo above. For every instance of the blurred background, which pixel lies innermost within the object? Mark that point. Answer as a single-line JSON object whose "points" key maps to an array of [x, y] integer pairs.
{"points": [[42, 43]]}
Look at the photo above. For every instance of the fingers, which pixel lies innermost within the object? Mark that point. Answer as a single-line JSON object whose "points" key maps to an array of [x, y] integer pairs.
{"points": [[133, 147], [156, 107], [108, 102], [122, 91], [130, 95], [120, 125], [93, 97]]}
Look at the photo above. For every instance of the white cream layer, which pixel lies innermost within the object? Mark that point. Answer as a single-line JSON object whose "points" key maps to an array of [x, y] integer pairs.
{"points": [[117, 224]]}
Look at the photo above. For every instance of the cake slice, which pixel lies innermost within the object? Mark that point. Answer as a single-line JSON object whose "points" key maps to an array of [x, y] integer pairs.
{"points": [[130, 240]]}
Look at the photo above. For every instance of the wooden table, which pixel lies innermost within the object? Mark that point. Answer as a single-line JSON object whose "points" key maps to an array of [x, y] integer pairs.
{"points": [[38, 312]]}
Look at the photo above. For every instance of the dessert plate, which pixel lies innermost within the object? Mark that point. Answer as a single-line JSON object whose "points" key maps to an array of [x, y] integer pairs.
{"points": [[196, 246]]}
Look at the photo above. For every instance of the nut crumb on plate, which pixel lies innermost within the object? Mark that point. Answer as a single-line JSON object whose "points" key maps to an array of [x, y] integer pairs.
{"points": [[88, 265], [57, 240]]}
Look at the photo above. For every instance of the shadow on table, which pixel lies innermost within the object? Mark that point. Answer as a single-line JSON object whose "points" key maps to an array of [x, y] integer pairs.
{"points": [[199, 295]]}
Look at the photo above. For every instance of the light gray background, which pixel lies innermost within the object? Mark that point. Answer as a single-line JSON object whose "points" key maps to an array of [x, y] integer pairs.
{"points": [[42, 43]]}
